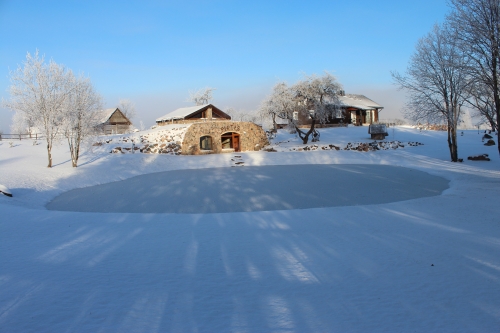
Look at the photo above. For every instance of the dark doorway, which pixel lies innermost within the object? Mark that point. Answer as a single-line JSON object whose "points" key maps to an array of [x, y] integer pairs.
{"points": [[231, 140]]}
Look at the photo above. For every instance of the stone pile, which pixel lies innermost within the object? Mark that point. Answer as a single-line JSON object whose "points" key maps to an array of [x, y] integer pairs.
{"points": [[358, 146], [172, 148], [432, 127], [483, 157]]}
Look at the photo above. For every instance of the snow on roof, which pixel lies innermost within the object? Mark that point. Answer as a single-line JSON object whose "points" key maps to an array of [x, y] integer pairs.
{"points": [[359, 101], [106, 114], [181, 113]]}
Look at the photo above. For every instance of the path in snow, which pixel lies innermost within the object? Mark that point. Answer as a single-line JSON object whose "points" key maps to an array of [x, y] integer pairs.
{"points": [[264, 188]]}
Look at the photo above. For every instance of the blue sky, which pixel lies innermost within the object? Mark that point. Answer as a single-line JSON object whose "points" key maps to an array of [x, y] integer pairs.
{"points": [[155, 52]]}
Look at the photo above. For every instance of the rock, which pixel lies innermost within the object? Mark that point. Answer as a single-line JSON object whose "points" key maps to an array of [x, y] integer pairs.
{"points": [[483, 157], [490, 142], [487, 136], [5, 191]]}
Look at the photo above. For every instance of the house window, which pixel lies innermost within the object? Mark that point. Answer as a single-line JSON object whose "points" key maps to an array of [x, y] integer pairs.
{"points": [[369, 117], [206, 143]]}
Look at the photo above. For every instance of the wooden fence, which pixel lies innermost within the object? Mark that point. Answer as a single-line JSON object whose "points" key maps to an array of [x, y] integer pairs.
{"points": [[29, 136]]}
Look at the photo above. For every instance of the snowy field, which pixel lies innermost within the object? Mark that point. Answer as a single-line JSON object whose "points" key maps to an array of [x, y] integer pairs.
{"points": [[430, 264]]}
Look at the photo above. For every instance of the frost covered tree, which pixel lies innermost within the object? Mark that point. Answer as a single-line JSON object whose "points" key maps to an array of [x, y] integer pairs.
{"points": [[38, 91], [18, 125], [240, 115], [127, 108], [437, 82], [318, 98], [81, 115], [202, 96], [478, 22], [280, 103], [318, 93]]}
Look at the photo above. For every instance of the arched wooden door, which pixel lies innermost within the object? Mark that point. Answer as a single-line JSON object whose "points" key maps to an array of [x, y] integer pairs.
{"points": [[231, 140]]}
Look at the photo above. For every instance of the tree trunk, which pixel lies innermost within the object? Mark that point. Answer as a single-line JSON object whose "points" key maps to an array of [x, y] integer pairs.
{"points": [[305, 136], [76, 154], [493, 125], [452, 143], [496, 92], [49, 148]]}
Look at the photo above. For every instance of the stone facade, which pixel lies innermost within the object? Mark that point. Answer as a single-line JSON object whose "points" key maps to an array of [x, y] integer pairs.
{"points": [[251, 137]]}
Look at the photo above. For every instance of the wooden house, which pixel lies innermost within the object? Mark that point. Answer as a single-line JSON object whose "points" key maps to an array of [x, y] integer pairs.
{"points": [[359, 109], [191, 114], [113, 121], [352, 109]]}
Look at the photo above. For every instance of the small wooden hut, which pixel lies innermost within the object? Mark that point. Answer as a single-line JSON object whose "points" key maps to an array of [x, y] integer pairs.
{"points": [[113, 121]]}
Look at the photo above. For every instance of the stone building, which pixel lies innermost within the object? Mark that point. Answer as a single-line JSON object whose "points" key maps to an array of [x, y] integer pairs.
{"points": [[208, 130]]}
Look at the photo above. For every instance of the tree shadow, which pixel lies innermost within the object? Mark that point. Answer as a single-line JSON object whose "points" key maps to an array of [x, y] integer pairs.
{"points": [[364, 268]]}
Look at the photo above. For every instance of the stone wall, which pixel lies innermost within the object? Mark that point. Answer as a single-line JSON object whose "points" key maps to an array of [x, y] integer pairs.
{"points": [[252, 137]]}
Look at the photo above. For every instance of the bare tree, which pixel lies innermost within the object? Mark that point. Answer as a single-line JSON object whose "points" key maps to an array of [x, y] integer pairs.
{"points": [[317, 98], [127, 108], [81, 115], [240, 115], [202, 96], [479, 24], [437, 83], [483, 102], [38, 90]]}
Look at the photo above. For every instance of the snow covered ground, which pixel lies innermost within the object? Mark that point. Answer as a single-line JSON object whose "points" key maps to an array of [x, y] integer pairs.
{"points": [[420, 265]]}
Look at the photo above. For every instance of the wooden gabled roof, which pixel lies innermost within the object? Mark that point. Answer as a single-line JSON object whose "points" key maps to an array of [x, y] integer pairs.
{"points": [[108, 113], [184, 113]]}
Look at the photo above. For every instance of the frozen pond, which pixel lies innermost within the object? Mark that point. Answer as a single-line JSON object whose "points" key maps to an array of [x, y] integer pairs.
{"points": [[257, 188]]}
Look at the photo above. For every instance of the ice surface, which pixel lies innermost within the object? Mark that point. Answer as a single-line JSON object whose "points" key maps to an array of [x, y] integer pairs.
{"points": [[257, 188]]}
